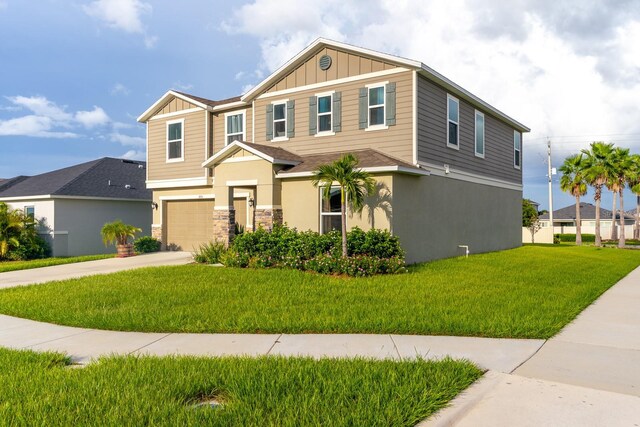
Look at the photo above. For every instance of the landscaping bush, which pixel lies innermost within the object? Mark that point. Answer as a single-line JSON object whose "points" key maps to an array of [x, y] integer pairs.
{"points": [[586, 238], [31, 246], [371, 252], [209, 253], [146, 244]]}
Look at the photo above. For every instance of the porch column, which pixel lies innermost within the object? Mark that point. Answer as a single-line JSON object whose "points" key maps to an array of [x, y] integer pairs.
{"points": [[268, 210], [224, 215]]}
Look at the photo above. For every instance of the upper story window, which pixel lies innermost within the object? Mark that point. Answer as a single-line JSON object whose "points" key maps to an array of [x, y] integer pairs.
{"points": [[479, 134], [280, 120], [453, 122], [324, 113], [175, 140], [376, 106], [235, 127], [516, 149]]}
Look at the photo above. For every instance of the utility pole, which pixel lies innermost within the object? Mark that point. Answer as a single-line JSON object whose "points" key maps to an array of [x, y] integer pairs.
{"points": [[550, 183]]}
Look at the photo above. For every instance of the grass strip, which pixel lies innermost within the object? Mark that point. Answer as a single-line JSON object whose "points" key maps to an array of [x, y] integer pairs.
{"points": [[38, 389], [529, 292], [48, 262]]}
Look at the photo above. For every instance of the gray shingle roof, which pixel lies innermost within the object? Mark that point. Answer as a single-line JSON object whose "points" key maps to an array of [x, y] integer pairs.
{"points": [[587, 212], [106, 177], [275, 152]]}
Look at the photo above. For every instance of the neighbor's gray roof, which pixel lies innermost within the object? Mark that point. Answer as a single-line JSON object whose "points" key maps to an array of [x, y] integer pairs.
{"points": [[106, 177], [367, 158], [587, 212]]}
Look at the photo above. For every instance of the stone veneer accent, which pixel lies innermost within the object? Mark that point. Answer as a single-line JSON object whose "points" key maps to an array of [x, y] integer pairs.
{"points": [[224, 225], [156, 233], [267, 218]]}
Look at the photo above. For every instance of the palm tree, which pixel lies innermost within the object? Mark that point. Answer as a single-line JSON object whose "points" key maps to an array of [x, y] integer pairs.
{"points": [[353, 182], [597, 169], [634, 185], [622, 174], [573, 182], [118, 232], [11, 224]]}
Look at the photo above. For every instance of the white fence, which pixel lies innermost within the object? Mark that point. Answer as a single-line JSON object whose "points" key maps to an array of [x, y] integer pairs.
{"points": [[545, 235]]}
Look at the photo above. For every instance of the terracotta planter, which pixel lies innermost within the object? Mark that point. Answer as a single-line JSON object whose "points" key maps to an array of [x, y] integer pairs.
{"points": [[125, 250]]}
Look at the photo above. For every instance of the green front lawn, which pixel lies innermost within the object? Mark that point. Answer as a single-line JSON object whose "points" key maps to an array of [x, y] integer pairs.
{"points": [[529, 292], [48, 262], [39, 389]]}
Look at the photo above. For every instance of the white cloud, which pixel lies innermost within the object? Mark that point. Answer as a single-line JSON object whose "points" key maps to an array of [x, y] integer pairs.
{"points": [[556, 67], [128, 140], [31, 125], [182, 86], [134, 155], [120, 89], [93, 118], [125, 15], [41, 106]]}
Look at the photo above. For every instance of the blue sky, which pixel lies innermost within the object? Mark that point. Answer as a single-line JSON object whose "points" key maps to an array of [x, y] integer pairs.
{"points": [[75, 74]]}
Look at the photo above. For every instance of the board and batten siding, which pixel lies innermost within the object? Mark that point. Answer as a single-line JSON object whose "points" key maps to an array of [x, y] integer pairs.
{"points": [[343, 64], [194, 148], [219, 127], [395, 141], [176, 104], [432, 137]]}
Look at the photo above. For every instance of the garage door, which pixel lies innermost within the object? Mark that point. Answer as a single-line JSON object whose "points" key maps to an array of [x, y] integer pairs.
{"points": [[189, 223]]}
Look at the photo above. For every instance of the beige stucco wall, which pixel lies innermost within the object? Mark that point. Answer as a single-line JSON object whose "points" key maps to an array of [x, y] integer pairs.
{"points": [[301, 205], [396, 141], [195, 148]]}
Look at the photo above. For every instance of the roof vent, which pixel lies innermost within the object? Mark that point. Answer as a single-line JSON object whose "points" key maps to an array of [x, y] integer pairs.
{"points": [[324, 62], [128, 187]]}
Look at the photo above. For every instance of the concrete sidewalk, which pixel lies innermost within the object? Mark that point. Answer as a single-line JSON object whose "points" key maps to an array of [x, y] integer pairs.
{"points": [[587, 375], [83, 345], [90, 268]]}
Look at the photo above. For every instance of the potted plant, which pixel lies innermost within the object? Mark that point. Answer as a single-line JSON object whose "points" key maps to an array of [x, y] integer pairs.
{"points": [[118, 233]]}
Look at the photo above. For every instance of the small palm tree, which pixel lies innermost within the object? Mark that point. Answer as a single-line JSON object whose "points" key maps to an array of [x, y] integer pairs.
{"points": [[118, 233], [355, 184], [597, 170], [573, 182], [11, 224]]}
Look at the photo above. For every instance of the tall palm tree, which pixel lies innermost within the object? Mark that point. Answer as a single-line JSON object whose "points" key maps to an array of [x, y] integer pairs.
{"points": [[573, 182], [634, 185], [597, 170], [612, 185], [353, 182], [622, 174]]}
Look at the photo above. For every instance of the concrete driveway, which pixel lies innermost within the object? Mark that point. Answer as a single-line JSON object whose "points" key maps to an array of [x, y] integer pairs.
{"points": [[89, 268]]}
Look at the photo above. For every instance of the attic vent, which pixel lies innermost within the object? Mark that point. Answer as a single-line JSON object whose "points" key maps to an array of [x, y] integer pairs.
{"points": [[324, 62]]}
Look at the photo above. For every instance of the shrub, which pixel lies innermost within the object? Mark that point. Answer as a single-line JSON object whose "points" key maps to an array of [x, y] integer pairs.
{"points": [[31, 246], [233, 258], [209, 253], [146, 244], [586, 238]]}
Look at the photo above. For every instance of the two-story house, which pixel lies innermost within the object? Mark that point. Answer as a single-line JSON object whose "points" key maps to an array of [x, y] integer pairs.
{"points": [[448, 165]]}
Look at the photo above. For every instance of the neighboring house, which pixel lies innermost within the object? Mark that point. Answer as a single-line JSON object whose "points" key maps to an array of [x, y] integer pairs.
{"points": [[448, 165], [564, 220], [72, 204]]}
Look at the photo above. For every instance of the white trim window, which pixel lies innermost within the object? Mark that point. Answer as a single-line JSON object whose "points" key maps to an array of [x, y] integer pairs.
{"points": [[330, 214], [517, 149], [280, 120], [453, 122], [175, 140], [325, 112], [234, 127], [30, 212], [479, 134], [376, 111]]}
